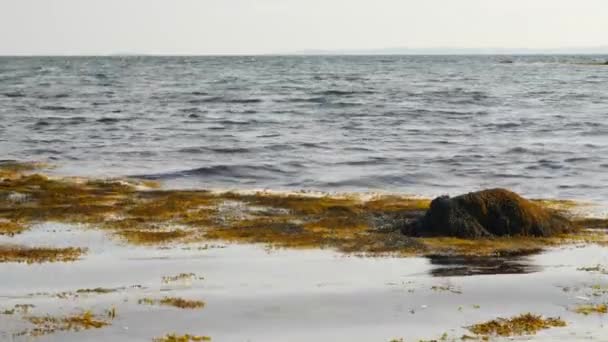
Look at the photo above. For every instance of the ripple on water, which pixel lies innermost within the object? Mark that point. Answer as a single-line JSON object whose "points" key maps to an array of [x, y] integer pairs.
{"points": [[420, 111]]}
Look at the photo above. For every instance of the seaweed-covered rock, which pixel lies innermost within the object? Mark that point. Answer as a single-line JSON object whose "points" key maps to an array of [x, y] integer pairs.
{"points": [[488, 213]]}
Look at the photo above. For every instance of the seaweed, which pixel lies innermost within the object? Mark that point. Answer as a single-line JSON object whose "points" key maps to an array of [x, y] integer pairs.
{"points": [[446, 288], [182, 338], [11, 227], [597, 223], [98, 290], [179, 277], [524, 324], [141, 214], [175, 302], [152, 237], [588, 309], [30, 255], [49, 324]]}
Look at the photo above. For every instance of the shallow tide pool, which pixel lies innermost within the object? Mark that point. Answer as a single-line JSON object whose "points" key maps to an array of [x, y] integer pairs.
{"points": [[255, 293]]}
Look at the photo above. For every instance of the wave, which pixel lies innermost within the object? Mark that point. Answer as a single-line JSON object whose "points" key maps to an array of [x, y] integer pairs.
{"points": [[223, 99], [58, 108], [323, 146], [75, 120], [221, 150], [577, 160], [14, 94], [221, 171], [52, 96], [107, 120], [365, 162], [303, 100], [369, 182], [518, 150], [504, 125], [335, 92]]}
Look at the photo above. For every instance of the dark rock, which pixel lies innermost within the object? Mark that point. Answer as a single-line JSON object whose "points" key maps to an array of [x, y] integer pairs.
{"points": [[487, 213]]}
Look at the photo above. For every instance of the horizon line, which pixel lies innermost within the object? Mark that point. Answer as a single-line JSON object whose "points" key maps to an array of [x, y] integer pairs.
{"points": [[403, 51], [328, 54]]}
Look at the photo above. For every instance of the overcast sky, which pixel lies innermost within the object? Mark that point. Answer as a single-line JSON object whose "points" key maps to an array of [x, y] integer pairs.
{"points": [[282, 26]]}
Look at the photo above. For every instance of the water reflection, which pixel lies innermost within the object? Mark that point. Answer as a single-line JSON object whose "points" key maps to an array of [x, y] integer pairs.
{"points": [[450, 266]]}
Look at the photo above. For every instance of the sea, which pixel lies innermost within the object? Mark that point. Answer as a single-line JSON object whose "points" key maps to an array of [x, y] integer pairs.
{"points": [[417, 125]]}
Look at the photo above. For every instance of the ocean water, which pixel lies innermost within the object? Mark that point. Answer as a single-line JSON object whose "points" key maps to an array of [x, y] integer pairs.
{"points": [[424, 125]]}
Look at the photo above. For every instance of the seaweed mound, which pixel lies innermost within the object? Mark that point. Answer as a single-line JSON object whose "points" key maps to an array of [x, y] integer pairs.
{"points": [[488, 213]]}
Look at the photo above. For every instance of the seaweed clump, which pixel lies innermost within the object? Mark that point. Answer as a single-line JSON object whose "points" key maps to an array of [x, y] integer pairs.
{"points": [[10, 253], [525, 324], [182, 338], [11, 228], [488, 213], [48, 324], [175, 302], [152, 237], [590, 309]]}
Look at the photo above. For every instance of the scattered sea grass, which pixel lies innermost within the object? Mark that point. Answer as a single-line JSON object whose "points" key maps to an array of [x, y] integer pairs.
{"points": [[179, 277], [174, 302], [182, 338], [525, 324], [30, 255], [588, 309], [597, 269], [18, 308], [446, 288], [45, 325], [97, 290]]}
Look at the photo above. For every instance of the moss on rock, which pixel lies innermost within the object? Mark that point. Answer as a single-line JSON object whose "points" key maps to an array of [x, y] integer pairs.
{"points": [[488, 213]]}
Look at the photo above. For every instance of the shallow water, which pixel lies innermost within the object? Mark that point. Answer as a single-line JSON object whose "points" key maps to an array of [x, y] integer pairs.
{"points": [[421, 125], [258, 294]]}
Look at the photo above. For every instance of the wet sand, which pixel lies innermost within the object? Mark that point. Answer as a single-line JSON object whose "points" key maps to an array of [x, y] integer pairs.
{"points": [[253, 293]]}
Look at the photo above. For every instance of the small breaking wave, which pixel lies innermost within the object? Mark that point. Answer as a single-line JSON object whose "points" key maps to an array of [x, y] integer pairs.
{"points": [[222, 171]]}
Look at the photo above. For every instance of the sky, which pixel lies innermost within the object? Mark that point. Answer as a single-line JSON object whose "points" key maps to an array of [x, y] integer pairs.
{"points": [[192, 27]]}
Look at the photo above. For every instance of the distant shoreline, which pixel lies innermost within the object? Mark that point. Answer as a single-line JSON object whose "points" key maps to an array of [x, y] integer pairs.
{"points": [[564, 54]]}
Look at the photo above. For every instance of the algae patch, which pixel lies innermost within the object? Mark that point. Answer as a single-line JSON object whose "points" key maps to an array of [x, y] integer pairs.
{"points": [[182, 278], [174, 302], [594, 269], [44, 325], [182, 338], [143, 215], [446, 288], [525, 324], [589, 309], [11, 228], [18, 308], [152, 237], [97, 290], [30, 255]]}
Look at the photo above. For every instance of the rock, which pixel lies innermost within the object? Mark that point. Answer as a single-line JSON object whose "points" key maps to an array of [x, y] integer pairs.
{"points": [[488, 213]]}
